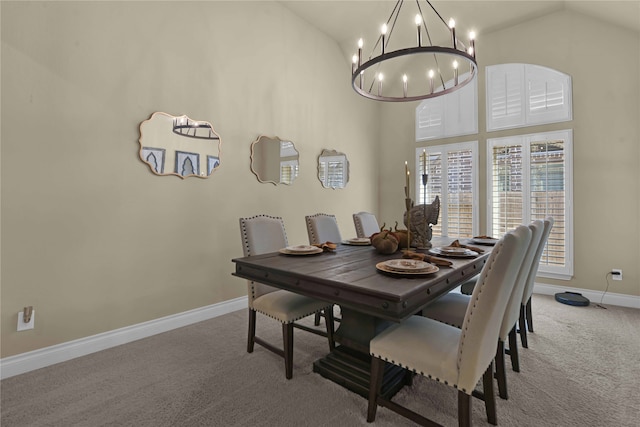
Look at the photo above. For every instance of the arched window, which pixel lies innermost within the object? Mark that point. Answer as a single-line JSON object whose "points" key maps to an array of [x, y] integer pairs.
{"points": [[520, 95]]}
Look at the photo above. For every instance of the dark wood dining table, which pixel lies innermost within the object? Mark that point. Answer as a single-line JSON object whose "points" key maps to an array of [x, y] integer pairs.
{"points": [[370, 300]]}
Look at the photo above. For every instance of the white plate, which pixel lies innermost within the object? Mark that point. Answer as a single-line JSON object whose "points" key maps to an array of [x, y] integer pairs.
{"points": [[315, 250], [467, 254], [453, 250], [382, 267], [358, 241], [484, 241], [301, 248], [407, 264]]}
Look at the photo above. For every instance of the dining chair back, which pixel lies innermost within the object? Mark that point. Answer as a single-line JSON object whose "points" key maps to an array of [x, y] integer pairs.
{"points": [[264, 234], [261, 234], [322, 228], [366, 224], [512, 312], [526, 316], [452, 308], [458, 357]]}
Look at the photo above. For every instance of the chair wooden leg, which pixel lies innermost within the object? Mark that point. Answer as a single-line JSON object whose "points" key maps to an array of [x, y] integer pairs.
{"points": [[252, 331], [522, 330], [529, 316], [328, 317], [500, 371], [464, 409], [375, 386], [287, 338], [316, 321], [513, 350], [489, 397]]}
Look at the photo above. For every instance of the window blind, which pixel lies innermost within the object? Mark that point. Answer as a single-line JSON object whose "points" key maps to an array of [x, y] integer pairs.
{"points": [[530, 178], [452, 171]]}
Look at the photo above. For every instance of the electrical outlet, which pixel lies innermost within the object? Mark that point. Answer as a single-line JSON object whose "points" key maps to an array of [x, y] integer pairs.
{"points": [[22, 325], [616, 273]]}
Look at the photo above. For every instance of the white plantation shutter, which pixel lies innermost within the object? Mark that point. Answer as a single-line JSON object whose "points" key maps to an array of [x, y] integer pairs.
{"points": [[524, 94], [530, 178], [452, 173], [429, 119], [505, 96], [549, 95], [453, 114]]}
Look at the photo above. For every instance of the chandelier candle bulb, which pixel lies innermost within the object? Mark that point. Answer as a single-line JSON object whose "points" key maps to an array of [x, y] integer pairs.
{"points": [[455, 73], [418, 20], [360, 44], [384, 33], [472, 42], [380, 78], [404, 84], [355, 62], [452, 25], [431, 81]]}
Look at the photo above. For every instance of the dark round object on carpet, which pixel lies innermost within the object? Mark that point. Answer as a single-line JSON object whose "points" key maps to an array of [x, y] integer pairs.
{"points": [[572, 298]]}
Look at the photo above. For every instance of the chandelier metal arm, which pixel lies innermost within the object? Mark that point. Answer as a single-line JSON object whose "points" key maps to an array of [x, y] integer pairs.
{"points": [[411, 51], [458, 50]]}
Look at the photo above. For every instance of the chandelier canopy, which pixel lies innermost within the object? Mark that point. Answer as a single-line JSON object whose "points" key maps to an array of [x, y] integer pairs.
{"points": [[413, 67]]}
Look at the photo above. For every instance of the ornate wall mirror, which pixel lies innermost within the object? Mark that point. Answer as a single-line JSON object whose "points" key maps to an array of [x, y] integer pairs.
{"points": [[274, 160], [333, 169], [179, 146]]}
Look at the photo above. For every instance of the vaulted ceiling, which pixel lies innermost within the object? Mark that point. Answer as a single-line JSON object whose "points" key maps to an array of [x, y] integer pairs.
{"points": [[346, 21]]}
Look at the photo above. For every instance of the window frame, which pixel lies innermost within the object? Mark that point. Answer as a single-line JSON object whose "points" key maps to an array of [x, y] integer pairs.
{"points": [[444, 149], [549, 271]]}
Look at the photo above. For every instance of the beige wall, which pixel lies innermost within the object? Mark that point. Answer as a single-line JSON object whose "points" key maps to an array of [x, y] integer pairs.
{"points": [[90, 237], [94, 241], [604, 62]]}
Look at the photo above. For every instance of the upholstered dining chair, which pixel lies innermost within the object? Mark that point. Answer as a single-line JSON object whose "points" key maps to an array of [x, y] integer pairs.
{"points": [[451, 309], [526, 315], [453, 356], [263, 234], [366, 224], [322, 228]]}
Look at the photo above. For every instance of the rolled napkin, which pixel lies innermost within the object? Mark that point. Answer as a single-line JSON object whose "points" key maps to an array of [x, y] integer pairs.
{"points": [[457, 244], [326, 246], [428, 258]]}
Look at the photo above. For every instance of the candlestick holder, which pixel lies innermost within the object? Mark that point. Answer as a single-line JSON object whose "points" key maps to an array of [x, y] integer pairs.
{"points": [[408, 204]]}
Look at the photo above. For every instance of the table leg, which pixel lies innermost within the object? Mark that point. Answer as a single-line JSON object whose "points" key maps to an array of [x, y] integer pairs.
{"points": [[349, 364]]}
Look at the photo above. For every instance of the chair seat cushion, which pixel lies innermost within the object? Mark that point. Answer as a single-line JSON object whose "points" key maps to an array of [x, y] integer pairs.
{"points": [[422, 345], [450, 309], [287, 306]]}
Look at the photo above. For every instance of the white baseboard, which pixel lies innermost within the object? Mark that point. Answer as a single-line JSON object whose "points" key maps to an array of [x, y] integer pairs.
{"points": [[594, 297], [25, 362]]}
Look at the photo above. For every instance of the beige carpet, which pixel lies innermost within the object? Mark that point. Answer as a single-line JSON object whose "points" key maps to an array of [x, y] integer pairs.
{"points": [[582, 368]]}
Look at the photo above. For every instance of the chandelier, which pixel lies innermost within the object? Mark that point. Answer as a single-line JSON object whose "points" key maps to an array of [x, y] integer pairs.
{"points": [[184, 126], [420, 69]]}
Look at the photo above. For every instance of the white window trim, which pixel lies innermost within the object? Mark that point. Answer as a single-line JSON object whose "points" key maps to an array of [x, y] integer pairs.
{"points": [[473, 147], [553, 272]]}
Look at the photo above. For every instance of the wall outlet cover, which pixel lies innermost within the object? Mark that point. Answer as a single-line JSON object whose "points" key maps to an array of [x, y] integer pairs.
{"points": [[22, 326]]}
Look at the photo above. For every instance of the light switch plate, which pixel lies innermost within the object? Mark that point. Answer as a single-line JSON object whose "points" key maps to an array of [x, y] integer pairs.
{"points": [[22, 326]]}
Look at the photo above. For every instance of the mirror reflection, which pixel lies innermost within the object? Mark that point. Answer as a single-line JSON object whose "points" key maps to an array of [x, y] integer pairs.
{"points": [[179, 145], [333, 169], [274, 160]]}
